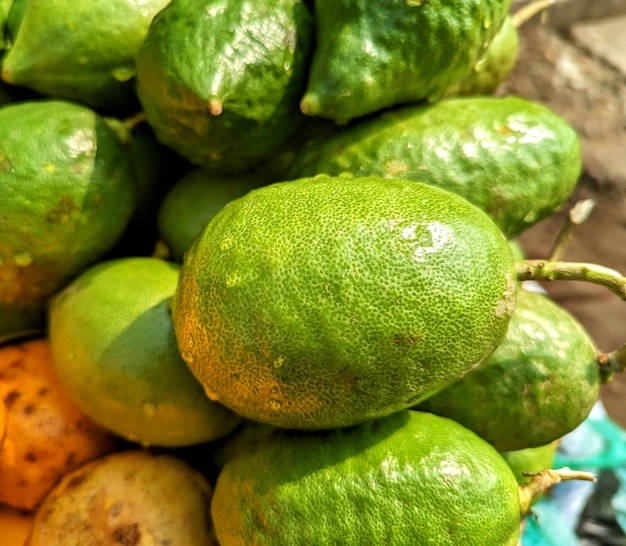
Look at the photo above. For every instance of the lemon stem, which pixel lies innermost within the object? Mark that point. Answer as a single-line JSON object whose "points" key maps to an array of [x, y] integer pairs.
{"points": [[611, 363], [542, 481], [578, 214], [134, 121], [529, 11], [548, 270]]}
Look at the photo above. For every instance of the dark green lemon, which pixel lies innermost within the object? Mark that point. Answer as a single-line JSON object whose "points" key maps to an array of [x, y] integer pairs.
{"points": [[220, 80], [494, 66], [515, 159], [538, 385], [373, 55], [68, 191], [81, 50]]}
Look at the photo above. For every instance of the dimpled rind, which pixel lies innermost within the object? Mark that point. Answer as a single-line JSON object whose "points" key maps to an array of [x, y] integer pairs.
{"points": [[67, 190], [64, 50], [324, 302], [494, 66], [412, 478], [220, 80], [537, 386], [124, 370], [515, 159], [373, 55]]}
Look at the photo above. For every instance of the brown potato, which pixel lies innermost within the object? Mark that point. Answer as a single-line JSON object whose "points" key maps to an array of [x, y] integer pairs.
{"points": [[45, 434], [134, 498]]}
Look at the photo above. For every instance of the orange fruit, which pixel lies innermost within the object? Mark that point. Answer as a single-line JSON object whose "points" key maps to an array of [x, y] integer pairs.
{"points": [[45, 434]]}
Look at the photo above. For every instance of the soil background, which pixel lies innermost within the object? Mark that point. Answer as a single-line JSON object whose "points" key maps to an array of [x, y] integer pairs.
{"points": [[572, 58]]}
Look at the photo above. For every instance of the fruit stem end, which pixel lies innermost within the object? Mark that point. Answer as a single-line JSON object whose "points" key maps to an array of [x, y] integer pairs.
{"points": [[542, 481]]}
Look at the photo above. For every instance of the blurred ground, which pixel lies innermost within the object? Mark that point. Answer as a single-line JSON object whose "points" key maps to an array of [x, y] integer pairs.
{"points": [[574, 61]]}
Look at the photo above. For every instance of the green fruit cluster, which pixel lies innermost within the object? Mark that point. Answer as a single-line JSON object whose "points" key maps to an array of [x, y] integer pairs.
{"points": [[276, 238]]}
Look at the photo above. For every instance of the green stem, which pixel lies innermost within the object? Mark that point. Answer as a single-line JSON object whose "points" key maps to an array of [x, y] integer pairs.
{"points": [[578, 214], [546, 270], [611, 363], [134, 120], [542, 481], [530, 10]]}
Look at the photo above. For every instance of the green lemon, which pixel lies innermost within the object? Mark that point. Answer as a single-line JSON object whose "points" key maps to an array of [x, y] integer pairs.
{"points": [[81, 50], [373, 55], [411, 478], [113, 345], [324, 302], [530, 460], [157, 168], [19, 320], [5, 7], [515, 159], [68, 191], [538, 385], [493, 67], [193, 201], [220, 80]]}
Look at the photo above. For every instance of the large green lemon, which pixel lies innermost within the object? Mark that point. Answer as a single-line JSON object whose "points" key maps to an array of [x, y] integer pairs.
{"points": [[324, 302], [409, 479]]}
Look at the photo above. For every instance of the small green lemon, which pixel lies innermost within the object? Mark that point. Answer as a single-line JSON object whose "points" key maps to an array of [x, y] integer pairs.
{"points": [[538, 385], [193, 201], [114, 348]]}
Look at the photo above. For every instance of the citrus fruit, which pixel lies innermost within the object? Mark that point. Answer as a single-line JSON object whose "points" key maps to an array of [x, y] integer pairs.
{"points": [[45, 435], [68, 191], [193, 200], [220, 80], [129, 498], [5, 7], [493, 67], [515, 159], [539, 384], [124, 369], [410, 478], [156, 168], [530, 460], [372, 55], [326, 301], [82, 51], [19, 320]]}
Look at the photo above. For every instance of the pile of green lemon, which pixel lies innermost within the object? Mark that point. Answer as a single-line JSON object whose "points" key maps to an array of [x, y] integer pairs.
{"points": [[271, 247]]}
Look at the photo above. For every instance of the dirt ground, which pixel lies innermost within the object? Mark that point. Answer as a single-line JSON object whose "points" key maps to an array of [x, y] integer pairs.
{"points": [[557, 67]]}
